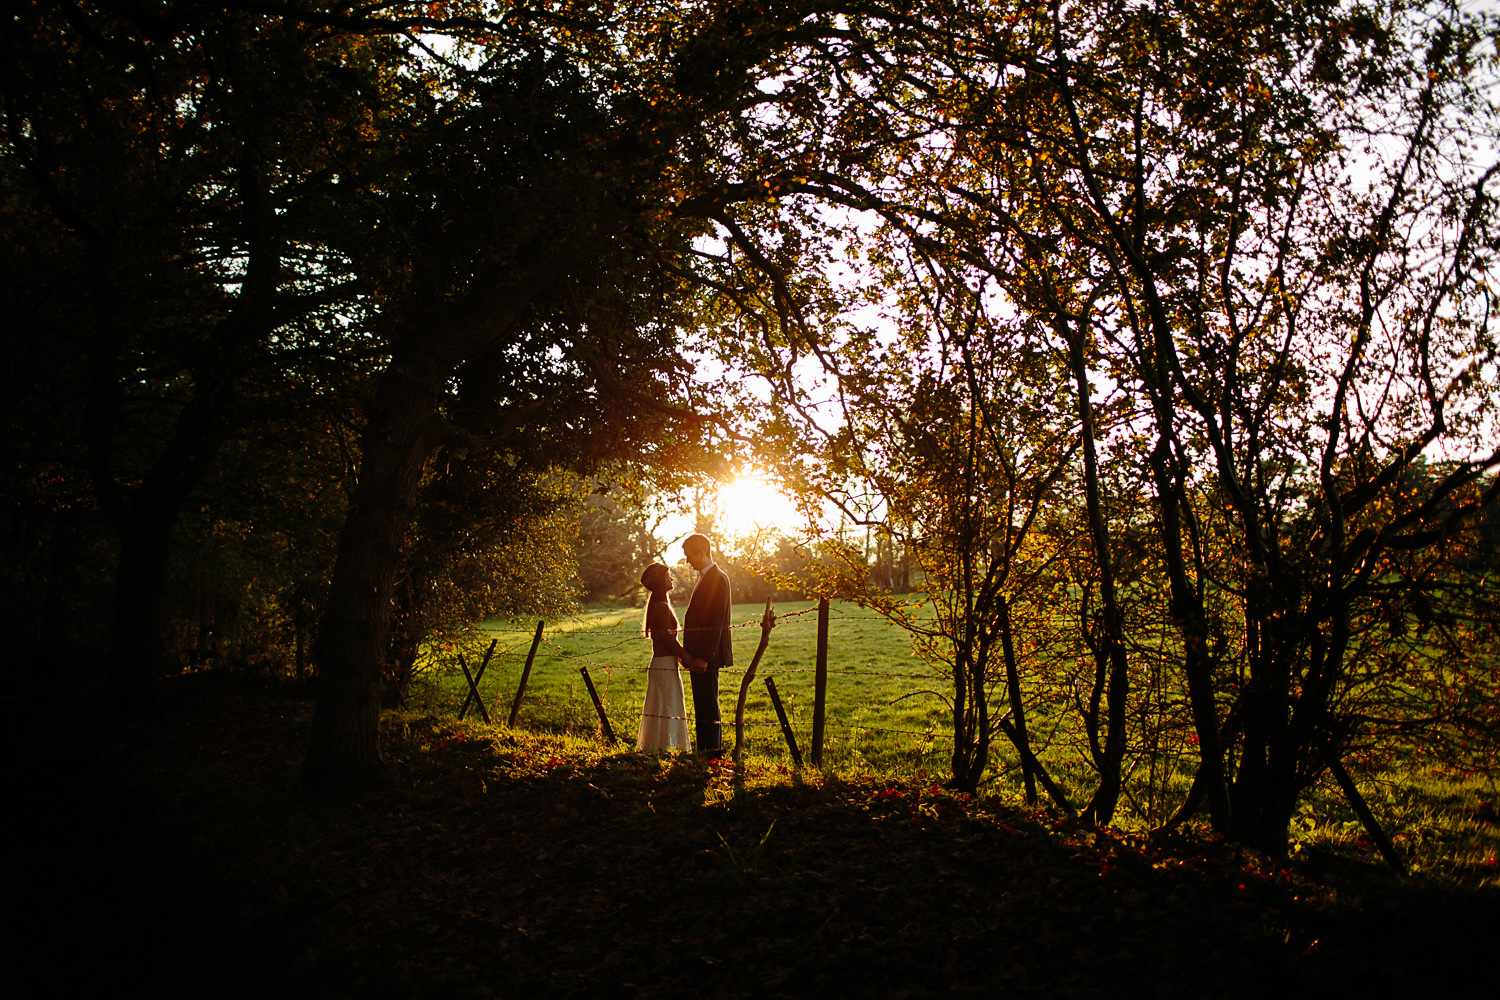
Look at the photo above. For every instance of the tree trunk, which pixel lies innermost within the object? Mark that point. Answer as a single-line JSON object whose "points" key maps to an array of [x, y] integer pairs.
{"points": [[1187, 610], [401, 432], [971, 729], [1013, 690], [1199, 789], [1110, 653], [146, 522], [406, 639], [1262, 794], [971, 737], [344, 748], [962, 722], [1101, 808], [145, 519], [1263, 802]]}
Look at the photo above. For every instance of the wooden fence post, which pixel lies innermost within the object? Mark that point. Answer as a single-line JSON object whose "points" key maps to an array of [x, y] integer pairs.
{"points": [[515, 706], [820, 684], [609, 733], [1362, 810], [786, 727], [767, 622], [473, 691], [478, 678]]}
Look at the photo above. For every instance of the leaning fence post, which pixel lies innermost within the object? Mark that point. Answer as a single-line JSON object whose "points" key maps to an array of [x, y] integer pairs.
{"points": [[515, 706], [820, 684], [767, 622], [478, 679], [473, 691], [609, 733], [786, 727]]}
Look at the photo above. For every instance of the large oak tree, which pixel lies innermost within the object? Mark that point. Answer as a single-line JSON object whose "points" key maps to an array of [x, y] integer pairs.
{"points": [[535, 272]]}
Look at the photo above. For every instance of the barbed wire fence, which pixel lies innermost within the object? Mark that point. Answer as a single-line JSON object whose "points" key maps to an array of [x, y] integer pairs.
{"points": [[623, 656]]}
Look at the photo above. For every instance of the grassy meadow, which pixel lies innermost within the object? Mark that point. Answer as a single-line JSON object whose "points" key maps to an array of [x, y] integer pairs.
{"points": [[885, 718], [878, 714]]}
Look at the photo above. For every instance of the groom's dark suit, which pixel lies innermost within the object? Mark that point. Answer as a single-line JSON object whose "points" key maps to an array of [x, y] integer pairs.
{"points": [[705, 635]]}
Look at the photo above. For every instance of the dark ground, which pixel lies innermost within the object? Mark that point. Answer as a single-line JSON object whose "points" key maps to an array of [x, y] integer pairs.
{"points": [[170, 854]]}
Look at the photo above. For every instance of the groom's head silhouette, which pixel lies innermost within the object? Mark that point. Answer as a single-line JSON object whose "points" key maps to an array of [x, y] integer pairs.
{"points": [[697, 550]]}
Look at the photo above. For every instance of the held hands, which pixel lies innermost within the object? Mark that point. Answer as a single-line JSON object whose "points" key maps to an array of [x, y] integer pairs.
{"points": [[698, 666]]}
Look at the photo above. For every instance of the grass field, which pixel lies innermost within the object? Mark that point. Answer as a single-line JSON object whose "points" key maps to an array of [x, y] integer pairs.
{"points": [[880, 713], [884, 717]]}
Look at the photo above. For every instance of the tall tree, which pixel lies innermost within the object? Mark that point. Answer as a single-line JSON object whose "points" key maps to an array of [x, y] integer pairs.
{"points": [[182, 162], [932, 453], [533, 275], [1270, 225]]}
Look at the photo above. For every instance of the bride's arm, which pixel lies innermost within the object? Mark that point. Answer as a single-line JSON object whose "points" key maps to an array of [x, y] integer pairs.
{"points": [[663, 627]]}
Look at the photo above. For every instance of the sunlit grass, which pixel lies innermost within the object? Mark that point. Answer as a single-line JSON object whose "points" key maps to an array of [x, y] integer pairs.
{"points": [[878, 716], [1444, 827], [886, 715]]}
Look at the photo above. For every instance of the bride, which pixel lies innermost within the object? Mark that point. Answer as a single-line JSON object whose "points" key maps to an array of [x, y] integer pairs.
{"points": [[664, 716]]}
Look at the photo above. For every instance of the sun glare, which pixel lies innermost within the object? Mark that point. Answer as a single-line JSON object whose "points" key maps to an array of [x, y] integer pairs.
{"points": [[750, 503]]}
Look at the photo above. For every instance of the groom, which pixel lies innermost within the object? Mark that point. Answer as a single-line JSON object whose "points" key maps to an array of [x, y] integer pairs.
{"points": [[705, 636]]}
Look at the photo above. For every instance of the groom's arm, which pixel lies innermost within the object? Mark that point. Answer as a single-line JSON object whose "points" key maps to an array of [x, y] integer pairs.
{"points": [[722, 643]]}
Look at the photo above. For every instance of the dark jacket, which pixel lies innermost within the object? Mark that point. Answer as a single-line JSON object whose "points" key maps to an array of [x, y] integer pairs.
{"points": [[705, 632]]}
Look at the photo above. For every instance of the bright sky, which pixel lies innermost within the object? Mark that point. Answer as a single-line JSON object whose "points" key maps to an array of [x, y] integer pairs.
{"points": [[747, 504]]}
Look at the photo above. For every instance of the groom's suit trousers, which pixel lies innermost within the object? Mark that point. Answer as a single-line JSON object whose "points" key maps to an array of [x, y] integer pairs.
{"points": [[706, 710]]}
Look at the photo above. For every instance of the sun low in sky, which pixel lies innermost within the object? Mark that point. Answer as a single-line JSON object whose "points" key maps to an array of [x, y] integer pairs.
{"points": [[747, 504], [750, 503]]}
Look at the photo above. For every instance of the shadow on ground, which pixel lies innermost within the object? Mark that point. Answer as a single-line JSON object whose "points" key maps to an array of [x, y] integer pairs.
{"points": [[171, 854]]}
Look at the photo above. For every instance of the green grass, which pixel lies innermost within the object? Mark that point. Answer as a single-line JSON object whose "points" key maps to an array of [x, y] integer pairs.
{"points": [[1445, 826], [878, 716], [881, 720]]}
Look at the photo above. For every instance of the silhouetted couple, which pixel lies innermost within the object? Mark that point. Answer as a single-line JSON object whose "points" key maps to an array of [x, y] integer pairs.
{"points": [[705, 647]]}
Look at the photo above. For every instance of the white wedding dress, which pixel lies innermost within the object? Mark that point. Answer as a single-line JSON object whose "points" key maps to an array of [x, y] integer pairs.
{"points": [[664, 716]]}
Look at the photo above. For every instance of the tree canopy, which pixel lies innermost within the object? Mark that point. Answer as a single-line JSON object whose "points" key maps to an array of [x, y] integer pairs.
{"points": [[1236, 260], [1159, 337]]}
